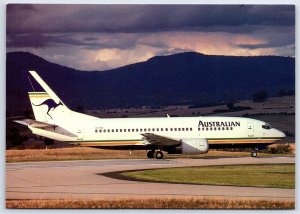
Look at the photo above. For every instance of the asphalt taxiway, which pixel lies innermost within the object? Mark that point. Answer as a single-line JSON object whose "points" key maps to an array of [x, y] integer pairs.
{"points": [[85, 180]]}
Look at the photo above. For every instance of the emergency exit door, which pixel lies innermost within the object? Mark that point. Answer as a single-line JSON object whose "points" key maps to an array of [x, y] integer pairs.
{"points": [[79, 132], [250, 129]]}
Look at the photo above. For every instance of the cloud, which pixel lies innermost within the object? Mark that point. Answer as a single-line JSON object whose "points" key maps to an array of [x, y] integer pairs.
{"points": [[82, 40], [145, 18], [99, 37]]}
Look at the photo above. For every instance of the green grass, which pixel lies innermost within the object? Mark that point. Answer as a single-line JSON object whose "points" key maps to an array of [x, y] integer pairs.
{"points": [[268, 175]]}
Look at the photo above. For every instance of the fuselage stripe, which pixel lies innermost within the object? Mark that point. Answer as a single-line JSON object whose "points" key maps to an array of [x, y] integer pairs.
{"points": [[140, 142], [240, 141], [110, 143]]}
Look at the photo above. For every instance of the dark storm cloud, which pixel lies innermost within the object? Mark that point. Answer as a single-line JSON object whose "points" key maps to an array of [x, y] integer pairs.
{"points": [[144, 18], [35, 40], [39, 40], [142, 29], [276, 37]]}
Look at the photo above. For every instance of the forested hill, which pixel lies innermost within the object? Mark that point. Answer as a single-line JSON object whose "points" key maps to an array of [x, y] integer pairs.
{"points": [[184, 78]]}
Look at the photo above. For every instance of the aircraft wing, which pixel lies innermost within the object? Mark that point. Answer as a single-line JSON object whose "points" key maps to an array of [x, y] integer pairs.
{"points": [[159, 140]]}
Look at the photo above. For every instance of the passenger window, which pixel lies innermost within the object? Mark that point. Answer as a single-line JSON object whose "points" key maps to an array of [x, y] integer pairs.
{"points": [[203, 129], [211, 128], [104, 130], [198, 129], [100, 130], [161, 129], [124, 130], [112, 130], [128, 130], [149, 129], [145, 130], [175, 129], [191, 129], [179, 129], [116, 130], [157, 129], [171, 129], [108, 130], [231, 128], [96, 130], [166, 129], [120, 130], [137, 130]]}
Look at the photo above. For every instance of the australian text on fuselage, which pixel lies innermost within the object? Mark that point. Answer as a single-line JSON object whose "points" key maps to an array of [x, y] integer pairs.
{"points": [[218, 123]]}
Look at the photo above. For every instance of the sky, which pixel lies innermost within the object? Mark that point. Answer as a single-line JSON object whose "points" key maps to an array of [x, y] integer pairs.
{"points": [[101, 37]]}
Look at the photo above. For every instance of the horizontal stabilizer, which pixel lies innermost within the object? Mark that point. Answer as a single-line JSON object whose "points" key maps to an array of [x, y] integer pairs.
{"points": [[34, 123], [45, 126]]}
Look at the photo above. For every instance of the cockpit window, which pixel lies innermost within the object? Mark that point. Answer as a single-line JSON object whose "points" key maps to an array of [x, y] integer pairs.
{"points": [[266, 126]]}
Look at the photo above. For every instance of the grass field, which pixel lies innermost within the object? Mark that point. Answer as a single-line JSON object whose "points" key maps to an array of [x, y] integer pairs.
{"points": [[186, 203], [82, 153], [269, 175]]}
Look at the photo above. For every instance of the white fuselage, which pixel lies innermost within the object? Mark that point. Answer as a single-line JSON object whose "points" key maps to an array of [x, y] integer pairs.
{"points": [[96, 132]]}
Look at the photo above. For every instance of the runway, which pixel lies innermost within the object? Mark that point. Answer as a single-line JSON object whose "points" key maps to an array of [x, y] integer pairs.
{"points": [[84, 180]]}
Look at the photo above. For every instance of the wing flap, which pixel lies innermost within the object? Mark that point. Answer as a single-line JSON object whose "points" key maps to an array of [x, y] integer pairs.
{"points": [[159, 140]]}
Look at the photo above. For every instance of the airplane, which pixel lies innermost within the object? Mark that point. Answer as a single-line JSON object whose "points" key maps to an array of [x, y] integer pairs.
{"points": [[174, 135]]}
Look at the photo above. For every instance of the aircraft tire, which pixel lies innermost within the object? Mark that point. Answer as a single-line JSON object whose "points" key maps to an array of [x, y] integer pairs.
{"points": [[150, 154], [254, 154], [159, 155]]}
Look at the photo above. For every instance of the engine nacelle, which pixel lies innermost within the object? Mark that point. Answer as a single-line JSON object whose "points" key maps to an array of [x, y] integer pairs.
{"points": [[191, 146], [194, 146]]}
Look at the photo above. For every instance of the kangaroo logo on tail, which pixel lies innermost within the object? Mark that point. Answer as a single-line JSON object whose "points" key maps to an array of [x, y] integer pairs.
{"points": [[51, 104]]}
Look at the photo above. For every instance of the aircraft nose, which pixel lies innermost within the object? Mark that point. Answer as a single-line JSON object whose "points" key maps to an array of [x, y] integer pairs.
{"points": [[281, 134]]}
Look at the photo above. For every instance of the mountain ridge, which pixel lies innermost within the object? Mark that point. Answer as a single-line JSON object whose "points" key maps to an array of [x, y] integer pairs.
{"points": [[183, 78]]}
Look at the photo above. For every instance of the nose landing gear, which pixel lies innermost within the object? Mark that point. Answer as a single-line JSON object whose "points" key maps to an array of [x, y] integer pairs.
{"points": [[254, 153]]}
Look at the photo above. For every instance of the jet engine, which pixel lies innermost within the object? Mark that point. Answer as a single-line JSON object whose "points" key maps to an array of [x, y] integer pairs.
{"points": [[191, 146]]}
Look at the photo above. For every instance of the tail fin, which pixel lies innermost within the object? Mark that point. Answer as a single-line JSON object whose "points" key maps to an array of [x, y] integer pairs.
{"points": [[45, 103]]}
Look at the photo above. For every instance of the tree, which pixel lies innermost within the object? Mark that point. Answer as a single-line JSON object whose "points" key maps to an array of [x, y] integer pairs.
{"points": [[281, 93], [48, 142], [230, 106], [260, 96], [14, 138]]}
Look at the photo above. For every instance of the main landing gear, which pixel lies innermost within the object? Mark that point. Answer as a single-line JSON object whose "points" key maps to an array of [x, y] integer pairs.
{"points": [[157, 154], [254, 153]]}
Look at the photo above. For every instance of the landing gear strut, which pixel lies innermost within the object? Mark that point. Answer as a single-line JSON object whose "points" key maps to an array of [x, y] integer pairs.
{"points": [[150, 154], [254, 153]]}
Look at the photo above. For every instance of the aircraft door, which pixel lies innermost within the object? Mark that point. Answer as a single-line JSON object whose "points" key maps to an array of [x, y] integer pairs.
{"points": [[79, 132], [250, 129]]}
